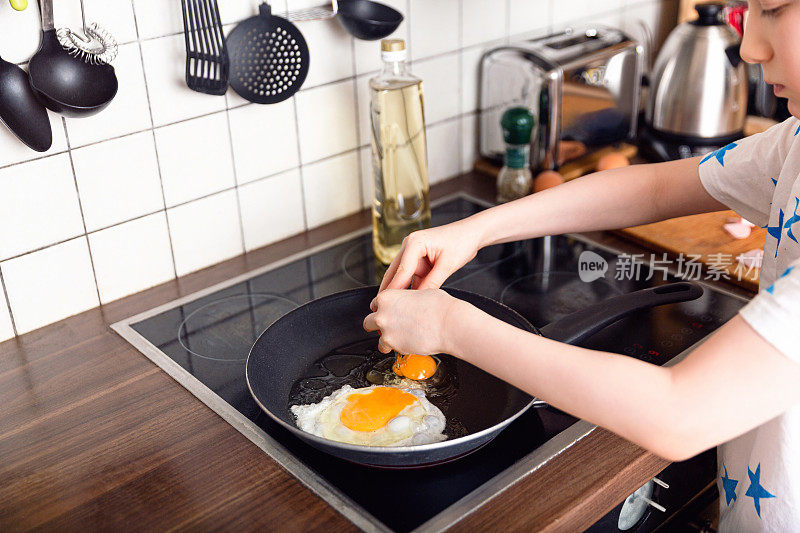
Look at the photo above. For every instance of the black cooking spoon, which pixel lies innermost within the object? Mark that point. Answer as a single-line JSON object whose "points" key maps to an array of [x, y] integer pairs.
{"points": [[64, 83], [24, 115]]}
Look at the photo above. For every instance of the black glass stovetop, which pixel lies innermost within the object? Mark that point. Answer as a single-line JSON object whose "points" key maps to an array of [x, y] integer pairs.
{"points": [[210, 337]]}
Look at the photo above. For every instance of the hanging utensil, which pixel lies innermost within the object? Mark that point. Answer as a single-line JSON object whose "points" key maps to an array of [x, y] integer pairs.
{"points": [[64, 83], [269, 58], [368, 20], [207, 63], [21, 111], [95, 46]]}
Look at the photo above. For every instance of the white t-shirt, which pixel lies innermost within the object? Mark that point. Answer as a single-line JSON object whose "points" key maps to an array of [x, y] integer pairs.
{"points": [[759, 472]]}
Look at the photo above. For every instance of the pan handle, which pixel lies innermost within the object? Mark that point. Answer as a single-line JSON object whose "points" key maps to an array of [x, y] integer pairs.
{"points": [[577, 326]]}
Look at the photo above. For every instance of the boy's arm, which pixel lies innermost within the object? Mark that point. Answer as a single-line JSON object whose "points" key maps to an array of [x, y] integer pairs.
{"points": [[612, 199], [730, 384]]}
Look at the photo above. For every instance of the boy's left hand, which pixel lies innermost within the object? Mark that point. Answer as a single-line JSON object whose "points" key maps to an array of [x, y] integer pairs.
{"points": [[411, 321]]}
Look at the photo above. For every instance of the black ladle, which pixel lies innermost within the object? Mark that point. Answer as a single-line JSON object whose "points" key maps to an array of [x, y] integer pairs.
{"points": [[368, 20], [21, 111], [66, 84]]}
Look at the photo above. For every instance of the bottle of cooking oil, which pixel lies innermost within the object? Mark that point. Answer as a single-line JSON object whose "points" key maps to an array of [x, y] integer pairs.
{"points": [[399, 159]]}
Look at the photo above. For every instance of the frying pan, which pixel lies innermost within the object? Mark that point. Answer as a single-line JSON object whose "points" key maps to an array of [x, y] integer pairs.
{"points": [[292, 345]]}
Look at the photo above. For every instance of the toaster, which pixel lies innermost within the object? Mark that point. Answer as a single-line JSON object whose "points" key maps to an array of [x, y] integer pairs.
{"points": [[582, 84]]}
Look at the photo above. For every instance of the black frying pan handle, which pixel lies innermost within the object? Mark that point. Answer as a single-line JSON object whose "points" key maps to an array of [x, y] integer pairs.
{"points": [[577, 326]]}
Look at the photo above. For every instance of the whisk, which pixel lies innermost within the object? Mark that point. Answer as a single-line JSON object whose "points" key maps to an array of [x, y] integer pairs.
{"points": [[96, 46]]}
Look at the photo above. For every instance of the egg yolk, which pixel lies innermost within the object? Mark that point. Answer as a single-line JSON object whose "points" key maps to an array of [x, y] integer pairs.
{"points": [[372, 410], [413, 366]]}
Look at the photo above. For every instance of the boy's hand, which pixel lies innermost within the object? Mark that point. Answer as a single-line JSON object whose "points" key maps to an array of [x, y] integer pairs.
{"points": [[428, 257], [412, 321]]}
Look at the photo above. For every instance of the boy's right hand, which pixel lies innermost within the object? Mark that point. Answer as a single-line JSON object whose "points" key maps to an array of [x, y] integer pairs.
{"points": [[428, 257]]}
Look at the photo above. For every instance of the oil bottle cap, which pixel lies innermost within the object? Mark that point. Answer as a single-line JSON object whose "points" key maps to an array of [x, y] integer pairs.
{"points": [[517, 124], [393, 50]]}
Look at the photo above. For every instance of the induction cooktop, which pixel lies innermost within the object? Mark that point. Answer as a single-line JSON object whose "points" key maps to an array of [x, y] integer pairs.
{"points": [[202, 341]]}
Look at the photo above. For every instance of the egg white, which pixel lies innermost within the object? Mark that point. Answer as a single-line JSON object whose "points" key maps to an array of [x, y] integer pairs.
{"points": [[418, 423]]}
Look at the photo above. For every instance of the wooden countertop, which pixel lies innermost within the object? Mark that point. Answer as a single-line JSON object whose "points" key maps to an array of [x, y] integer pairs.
{"points": [[95, 436]]}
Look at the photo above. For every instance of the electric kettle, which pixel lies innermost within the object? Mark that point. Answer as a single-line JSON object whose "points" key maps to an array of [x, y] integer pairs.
{"points": [[698, 89]]}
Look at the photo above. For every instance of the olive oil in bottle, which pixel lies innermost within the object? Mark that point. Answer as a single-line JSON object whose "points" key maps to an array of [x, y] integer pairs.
{"points": [[399, 159]]}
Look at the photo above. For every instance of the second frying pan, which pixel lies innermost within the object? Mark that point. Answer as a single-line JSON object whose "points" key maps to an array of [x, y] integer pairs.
{"points": [[286, 351]]}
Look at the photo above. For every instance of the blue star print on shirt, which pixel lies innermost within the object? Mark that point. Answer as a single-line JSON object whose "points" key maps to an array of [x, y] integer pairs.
{"points": [[774, 181], [775, 231], [719, 154], [771, 288], [797, 130], [729, 486], [755, 490], [792, 220]]}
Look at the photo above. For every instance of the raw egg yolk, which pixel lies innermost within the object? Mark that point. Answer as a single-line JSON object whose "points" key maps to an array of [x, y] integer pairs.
{"points": [[372, 410], [413, 366]]}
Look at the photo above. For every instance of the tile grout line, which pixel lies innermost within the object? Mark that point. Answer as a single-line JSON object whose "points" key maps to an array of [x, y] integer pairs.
{"points": [[80, 208], [8, 303], [155, 144], [460, 59], [358, 127], [300, 162], [236, 182]]}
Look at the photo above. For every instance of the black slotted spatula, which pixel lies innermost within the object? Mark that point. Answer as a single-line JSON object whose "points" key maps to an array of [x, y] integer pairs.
{"points": [[207, 63]]}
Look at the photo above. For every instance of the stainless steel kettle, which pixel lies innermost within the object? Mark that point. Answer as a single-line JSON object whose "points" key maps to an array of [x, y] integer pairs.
{"points": [[698, 88]]}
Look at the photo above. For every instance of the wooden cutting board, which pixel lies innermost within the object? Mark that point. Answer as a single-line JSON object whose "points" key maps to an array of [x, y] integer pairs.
{"points": [[702, 235]]}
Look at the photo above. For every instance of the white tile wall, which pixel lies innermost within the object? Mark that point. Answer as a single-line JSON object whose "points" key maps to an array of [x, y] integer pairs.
{"points": [[166, 181], [444, 150], [132, 256], [38, 205], [367, 184], [272, 209], [482, 22], [469, 141], [441, 86], [470, 77], [50, 284], [195, 158], [529, 15], [435, 27], [118, 180], [332, 188], [260, 129], [321, 111], [363, 103], [205, 232]]}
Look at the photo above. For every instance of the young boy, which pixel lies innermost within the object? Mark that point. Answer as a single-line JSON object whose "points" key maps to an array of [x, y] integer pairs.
{"points": [[739, 390]]}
